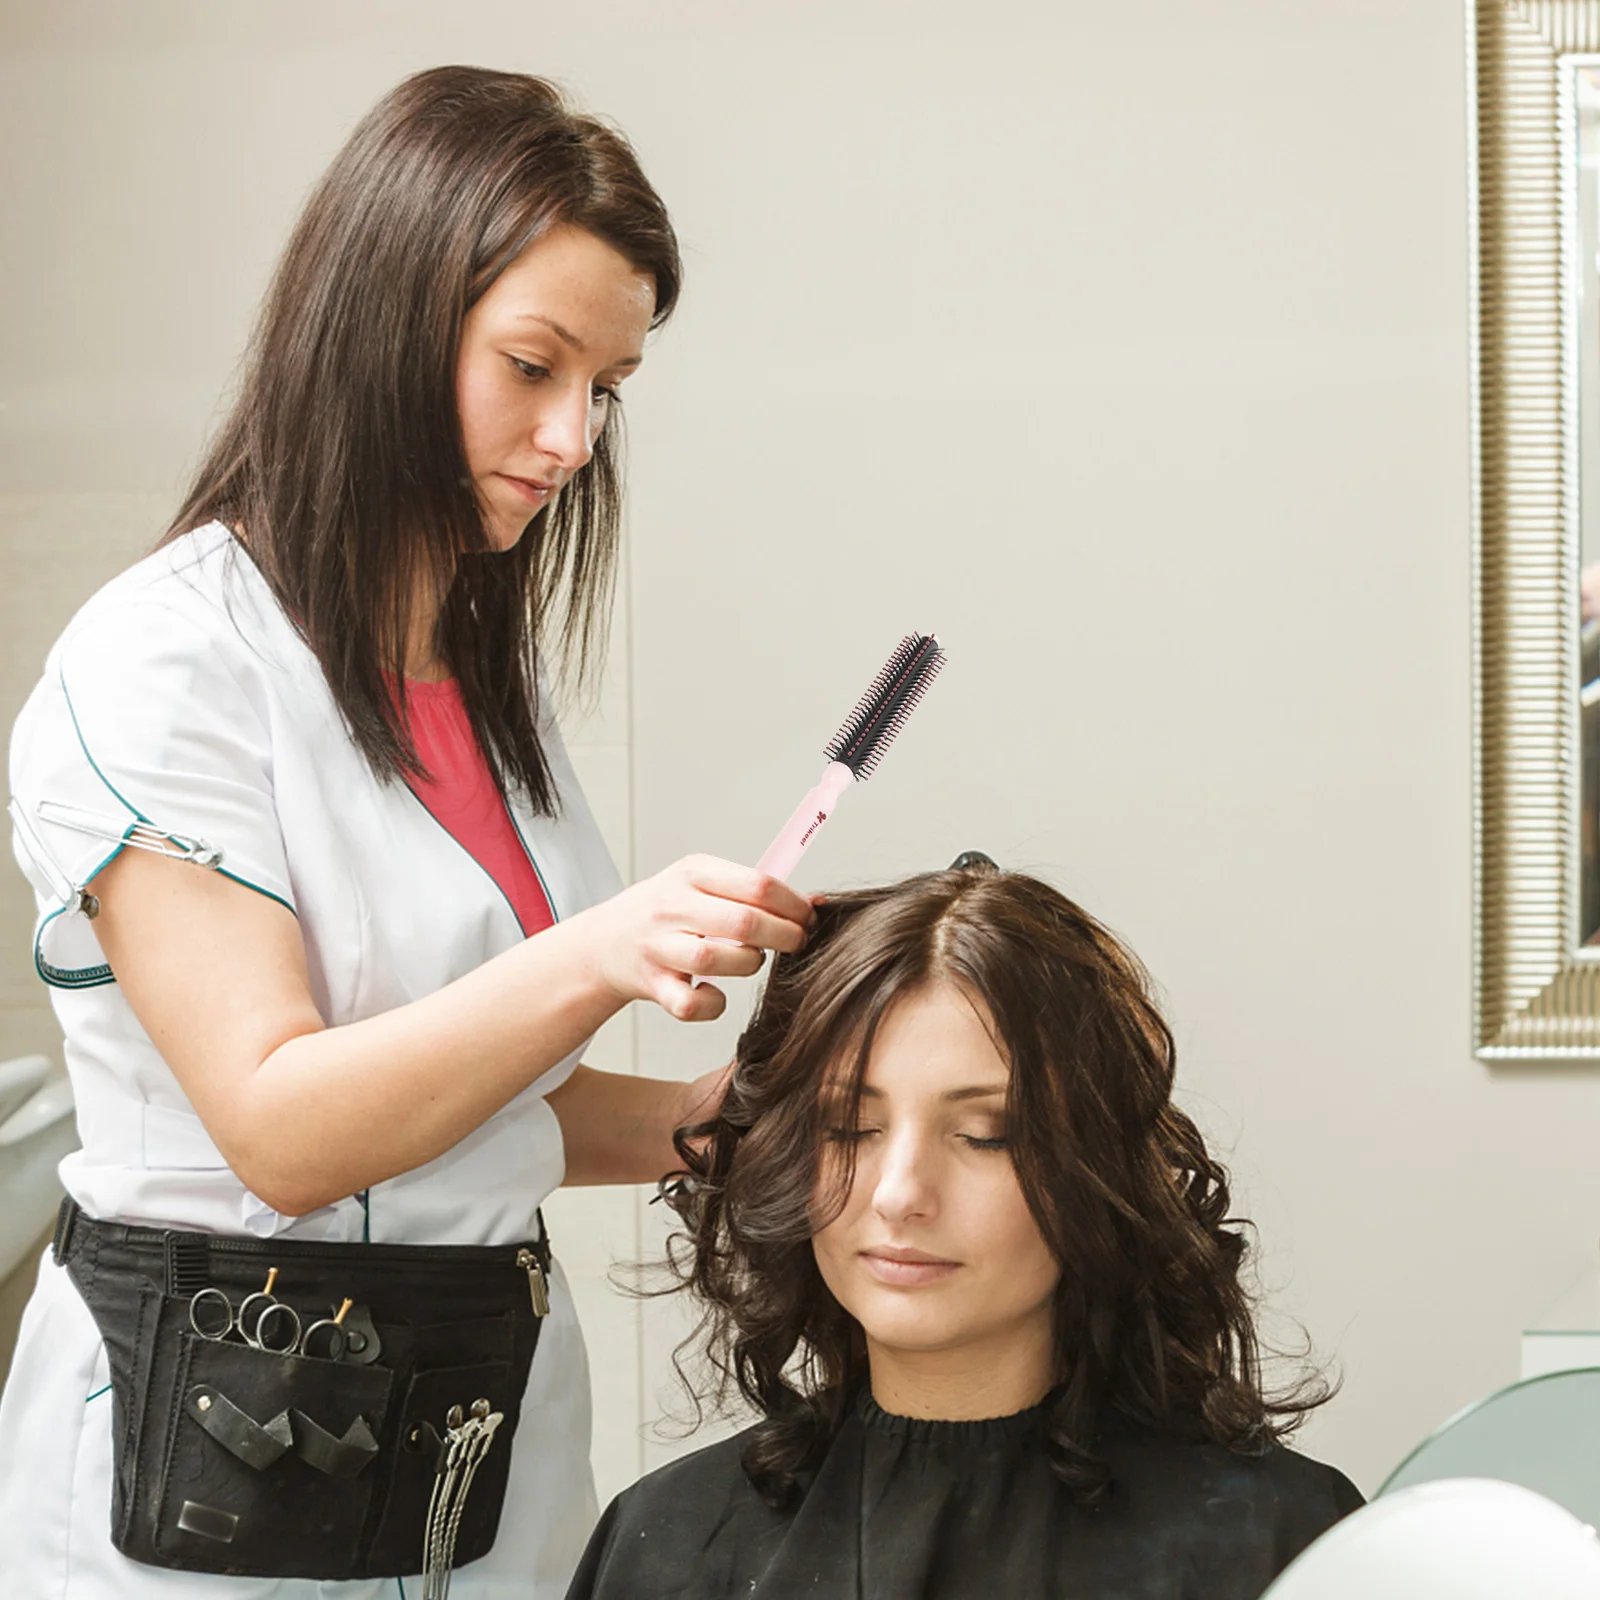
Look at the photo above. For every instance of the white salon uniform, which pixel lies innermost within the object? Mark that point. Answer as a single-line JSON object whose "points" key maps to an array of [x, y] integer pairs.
{"points": [[181, 696]]}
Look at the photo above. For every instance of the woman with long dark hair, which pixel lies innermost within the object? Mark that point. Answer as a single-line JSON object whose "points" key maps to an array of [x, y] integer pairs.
{"points": [[975, 1274], [328, 924]]}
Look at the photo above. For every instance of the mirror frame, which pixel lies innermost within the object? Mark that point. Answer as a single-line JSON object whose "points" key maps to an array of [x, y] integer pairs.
{"points": [[1535, 997]]}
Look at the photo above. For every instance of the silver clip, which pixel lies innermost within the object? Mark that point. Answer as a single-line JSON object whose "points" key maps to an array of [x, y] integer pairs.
{"points": [[467, 1439], [140, 835], [61, 886]]}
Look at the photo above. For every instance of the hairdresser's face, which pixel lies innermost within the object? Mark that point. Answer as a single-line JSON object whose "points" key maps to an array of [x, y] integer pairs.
{"points": [[936, 1250], [542, 354]]}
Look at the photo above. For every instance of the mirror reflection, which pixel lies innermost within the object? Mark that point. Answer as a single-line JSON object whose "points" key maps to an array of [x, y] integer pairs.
{"points": [[1583, 187]]}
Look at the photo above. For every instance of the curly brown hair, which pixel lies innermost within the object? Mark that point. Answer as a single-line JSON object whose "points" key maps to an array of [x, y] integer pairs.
{"points": [[1151, 1318]]}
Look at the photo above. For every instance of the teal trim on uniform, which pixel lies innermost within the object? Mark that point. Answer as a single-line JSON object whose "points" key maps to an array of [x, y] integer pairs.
{"points": [[88, 756], [66, 694], [222, 872], [400, 1584], [96, 1395], [365, 1197], [533, 861], [82, 977], [65, 977], [476, 862]]}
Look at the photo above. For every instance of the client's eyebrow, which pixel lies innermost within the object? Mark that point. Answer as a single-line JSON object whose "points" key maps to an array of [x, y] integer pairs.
{"points": [[971, 1091]]}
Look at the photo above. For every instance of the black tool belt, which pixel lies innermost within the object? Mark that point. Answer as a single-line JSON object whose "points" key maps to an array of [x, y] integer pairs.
{"points": [[291, 1409]]}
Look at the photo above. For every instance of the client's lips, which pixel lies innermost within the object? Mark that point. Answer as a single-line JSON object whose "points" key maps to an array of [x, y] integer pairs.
{"points": [[901, 1267], [531, 489]]}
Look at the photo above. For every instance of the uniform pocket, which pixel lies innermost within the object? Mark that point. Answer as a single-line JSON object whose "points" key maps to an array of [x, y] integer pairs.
{"points": [[270, 1463]]}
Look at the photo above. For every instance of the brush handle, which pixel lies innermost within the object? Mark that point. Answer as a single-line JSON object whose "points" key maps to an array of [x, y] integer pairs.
{"points": [[784, 853]]}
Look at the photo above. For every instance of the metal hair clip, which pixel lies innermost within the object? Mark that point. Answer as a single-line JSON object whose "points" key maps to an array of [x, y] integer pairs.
{"points": [[971, 860], [465, 1443], [675, 1188]]}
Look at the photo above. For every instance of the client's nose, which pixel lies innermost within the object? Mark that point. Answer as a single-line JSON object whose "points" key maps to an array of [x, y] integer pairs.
{"points": [[904, 1185]]}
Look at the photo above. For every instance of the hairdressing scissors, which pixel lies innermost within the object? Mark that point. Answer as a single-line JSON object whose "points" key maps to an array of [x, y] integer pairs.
{"points": [[267, 1323]]}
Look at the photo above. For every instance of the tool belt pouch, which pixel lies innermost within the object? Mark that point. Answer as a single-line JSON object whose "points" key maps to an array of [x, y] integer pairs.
{"points": [[234, 1457]]}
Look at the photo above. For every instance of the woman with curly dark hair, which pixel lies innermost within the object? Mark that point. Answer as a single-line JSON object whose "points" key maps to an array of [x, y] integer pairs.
{"points": [[974, 1271]]}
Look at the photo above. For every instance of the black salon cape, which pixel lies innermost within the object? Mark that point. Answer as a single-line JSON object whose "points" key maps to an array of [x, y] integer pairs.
{"points": [[909, 1510]]}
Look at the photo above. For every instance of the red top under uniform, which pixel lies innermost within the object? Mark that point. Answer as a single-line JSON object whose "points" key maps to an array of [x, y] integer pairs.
{"points": [[465, 800]]}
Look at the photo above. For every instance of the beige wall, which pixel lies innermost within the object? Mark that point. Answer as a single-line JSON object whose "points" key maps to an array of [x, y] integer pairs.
{"points": [[1124, 345]]}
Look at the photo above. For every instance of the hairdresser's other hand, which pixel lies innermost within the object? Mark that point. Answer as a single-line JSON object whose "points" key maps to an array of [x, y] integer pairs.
{"points": [[700, 918], [703, 1096]]}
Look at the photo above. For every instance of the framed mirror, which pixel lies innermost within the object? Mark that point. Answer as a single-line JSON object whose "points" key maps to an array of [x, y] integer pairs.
{"points": [[1534, 76], [1578, 100]]}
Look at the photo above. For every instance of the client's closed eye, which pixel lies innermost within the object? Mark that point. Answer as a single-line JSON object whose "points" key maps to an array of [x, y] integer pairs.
{"points": [[997, 1141], [847, 1135]]}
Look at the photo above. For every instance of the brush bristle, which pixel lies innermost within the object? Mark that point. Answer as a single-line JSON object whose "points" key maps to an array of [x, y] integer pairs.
{"points": [[883, 709]]}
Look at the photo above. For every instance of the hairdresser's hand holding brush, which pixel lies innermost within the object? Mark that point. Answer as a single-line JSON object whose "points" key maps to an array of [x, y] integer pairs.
{"points": [[705, 918], [700, 918]]}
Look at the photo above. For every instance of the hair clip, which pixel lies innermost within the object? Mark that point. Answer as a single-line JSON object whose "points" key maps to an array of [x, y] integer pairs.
{"points": [[971, 861], [675, 1188]]}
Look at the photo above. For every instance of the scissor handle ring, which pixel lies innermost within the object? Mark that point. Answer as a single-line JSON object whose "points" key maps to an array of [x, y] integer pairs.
{"points": [[277, 1309], [336, 1340], [250, 1322], [211, 1296]]}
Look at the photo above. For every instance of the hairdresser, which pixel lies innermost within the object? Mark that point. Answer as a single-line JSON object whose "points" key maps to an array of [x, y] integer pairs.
{"points": [[328, 924]]}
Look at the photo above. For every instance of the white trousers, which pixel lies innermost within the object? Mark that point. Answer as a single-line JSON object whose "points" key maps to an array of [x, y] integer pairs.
{"points": [[55, 1476]]}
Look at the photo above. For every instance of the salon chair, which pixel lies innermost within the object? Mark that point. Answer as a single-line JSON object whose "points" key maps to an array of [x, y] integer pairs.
{"points": [[37, 1129], [1542, 1433], [20, 1079], [1462, 1539], [1501, 1501]]}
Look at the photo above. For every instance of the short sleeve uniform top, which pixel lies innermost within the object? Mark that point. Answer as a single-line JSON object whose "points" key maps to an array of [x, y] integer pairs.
{"points": [[181, 702]]}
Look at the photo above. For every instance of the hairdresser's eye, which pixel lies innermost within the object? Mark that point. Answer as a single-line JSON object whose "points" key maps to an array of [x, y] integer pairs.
{"points": [[530, 370], [602, 396]]}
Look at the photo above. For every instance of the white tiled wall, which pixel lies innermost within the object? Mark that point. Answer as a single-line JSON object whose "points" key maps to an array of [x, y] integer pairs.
{"points": [[597, 1229], [612, 1240]]}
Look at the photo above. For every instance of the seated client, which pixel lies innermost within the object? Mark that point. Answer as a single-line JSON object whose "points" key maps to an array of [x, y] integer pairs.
{"points": [[973, 1270]]}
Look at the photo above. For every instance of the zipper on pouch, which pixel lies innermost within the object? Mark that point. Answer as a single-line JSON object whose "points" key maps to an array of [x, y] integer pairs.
{"points": [[538, 1289], [471, 1257]]}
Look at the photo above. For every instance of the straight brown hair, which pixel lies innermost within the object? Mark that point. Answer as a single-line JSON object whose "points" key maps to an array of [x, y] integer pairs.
{"points": [[342, 468], [1152, 1321]]}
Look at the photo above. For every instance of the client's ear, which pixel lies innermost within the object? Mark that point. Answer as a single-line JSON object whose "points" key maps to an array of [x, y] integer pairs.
{"points": [[968, 860]]}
